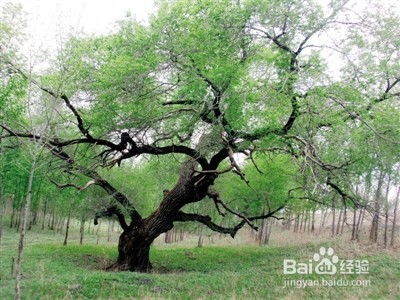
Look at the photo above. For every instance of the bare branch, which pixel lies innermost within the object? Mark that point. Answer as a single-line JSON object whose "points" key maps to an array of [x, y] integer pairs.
{"points": [[79, 188], [206, 220], [113, 210]]}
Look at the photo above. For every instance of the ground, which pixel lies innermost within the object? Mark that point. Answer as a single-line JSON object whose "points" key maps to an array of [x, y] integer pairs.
{"points": [[53, 271]]}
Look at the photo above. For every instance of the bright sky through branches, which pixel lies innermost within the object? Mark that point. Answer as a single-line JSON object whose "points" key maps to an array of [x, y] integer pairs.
{"points": [[50, 22]]}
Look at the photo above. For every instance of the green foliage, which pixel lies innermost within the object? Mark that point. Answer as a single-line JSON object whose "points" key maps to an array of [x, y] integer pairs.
{"points": [[195, 51], [269, 189]]}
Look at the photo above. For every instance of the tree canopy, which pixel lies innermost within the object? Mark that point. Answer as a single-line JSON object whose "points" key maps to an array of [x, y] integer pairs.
{"points": [[244, 94]]}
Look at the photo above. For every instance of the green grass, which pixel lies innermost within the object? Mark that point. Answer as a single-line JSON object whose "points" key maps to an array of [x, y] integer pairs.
{"points": [[52, 271]]}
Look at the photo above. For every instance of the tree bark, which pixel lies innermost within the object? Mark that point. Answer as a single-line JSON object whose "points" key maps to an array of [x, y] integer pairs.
{"points": [[108, 231], [44, 213], [28, 199], [396, 205], [81, 231], [339, 223], [333, 216], [200, 240], [373, 235], [353, 230], [67, 229], [133, 252], [2, 209], [344, 220], [360, 223], [313, 221], [385, 234]]}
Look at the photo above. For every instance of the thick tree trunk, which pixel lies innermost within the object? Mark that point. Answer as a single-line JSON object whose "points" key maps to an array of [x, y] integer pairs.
{"points": [[133, 252], [137, 237]]}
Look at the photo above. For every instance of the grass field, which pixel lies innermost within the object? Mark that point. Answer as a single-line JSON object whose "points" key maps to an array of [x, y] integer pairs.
{"points": [[53, 271]]}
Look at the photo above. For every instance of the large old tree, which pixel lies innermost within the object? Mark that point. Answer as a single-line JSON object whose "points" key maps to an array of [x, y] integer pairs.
{"points": [[210, 82]]}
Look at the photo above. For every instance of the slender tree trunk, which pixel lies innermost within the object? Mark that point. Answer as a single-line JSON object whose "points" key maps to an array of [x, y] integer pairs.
{"points": [[19, 214], [313, 221], [322, 222], [353, 230], [344, 220], [200, 240], [2, 209], [81, 231], [301, 222], [34, 220], [373, 236], [167, 237], [12, 214], [44, 213], [61, 225], [88, 230], [333, 216], [108, 231], [339, 223], [18, 265], [97, 232], [289, 221], [269, 230], [360, 223], [53, 219], [67, 229], [296, 223], [396, 205], [385, 234], [2, 200], [263, 232]]}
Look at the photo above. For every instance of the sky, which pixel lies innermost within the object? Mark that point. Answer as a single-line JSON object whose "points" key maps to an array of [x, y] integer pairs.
{"points": [[49, 20]]}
